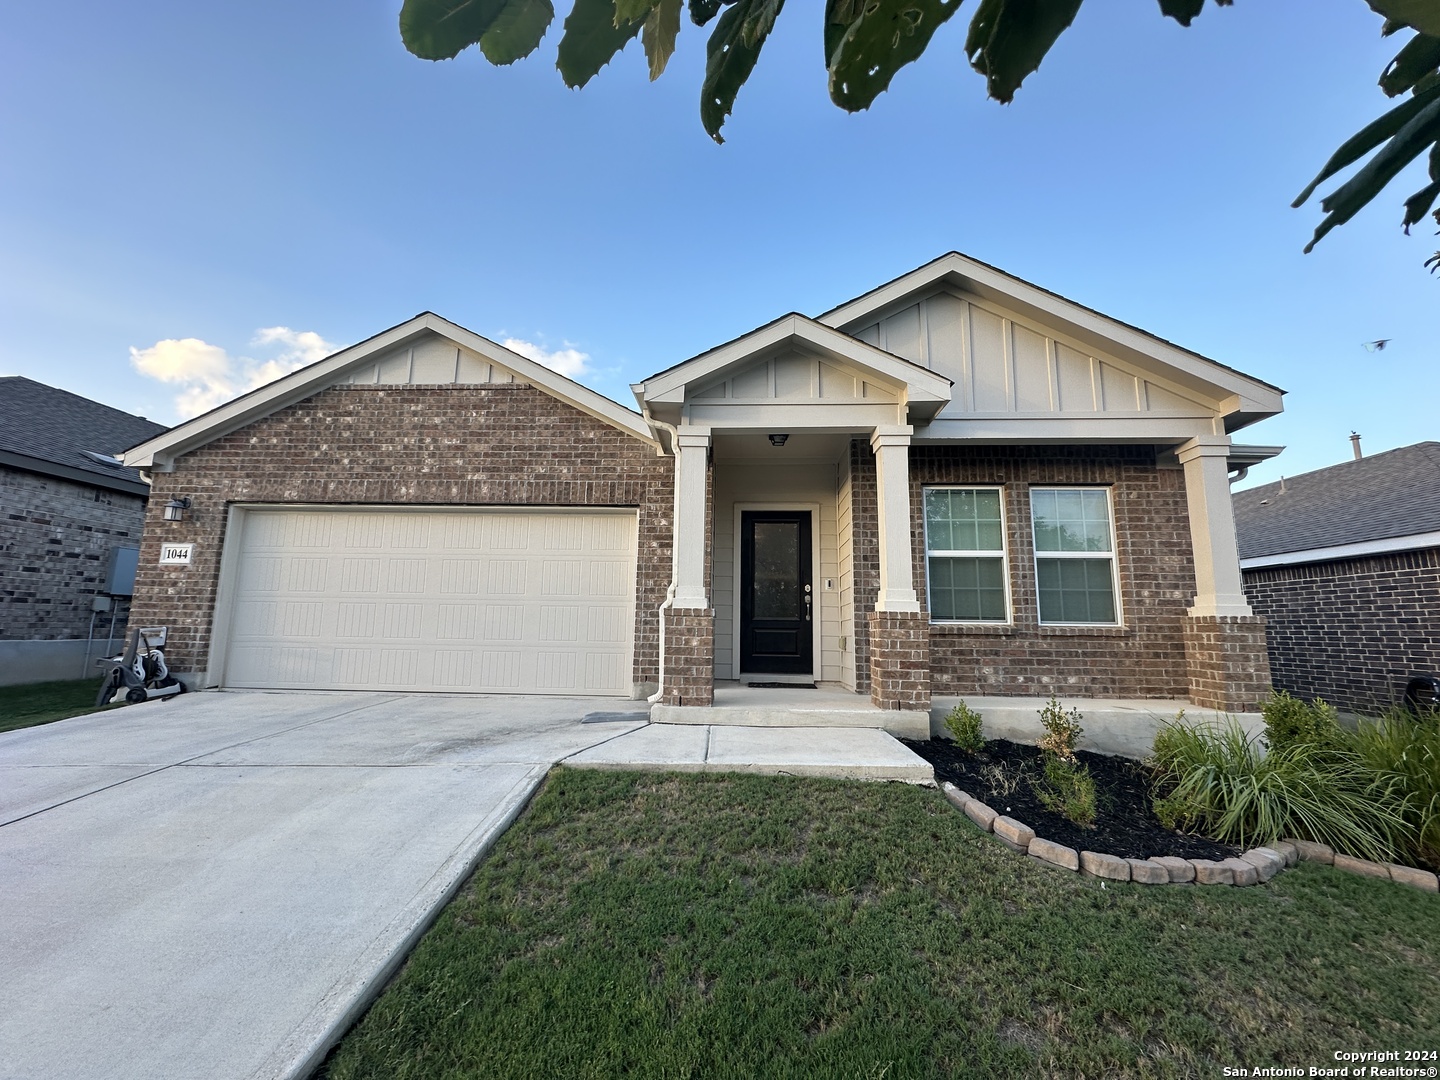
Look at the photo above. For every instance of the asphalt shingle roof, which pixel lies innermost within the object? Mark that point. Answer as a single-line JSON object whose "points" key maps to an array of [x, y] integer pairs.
{"points": [[1396, 493], [39, 421]]}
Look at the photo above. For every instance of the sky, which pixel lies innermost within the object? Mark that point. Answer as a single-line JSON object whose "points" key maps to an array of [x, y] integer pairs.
{"points": [[195, 198]]}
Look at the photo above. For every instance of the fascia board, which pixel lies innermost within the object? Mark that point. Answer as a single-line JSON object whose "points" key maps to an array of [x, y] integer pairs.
{"points": [[1414, 542], [163, 449], [45, 467], [1089, 327]]}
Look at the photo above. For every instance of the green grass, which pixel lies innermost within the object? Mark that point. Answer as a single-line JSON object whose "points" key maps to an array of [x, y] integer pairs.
{"points": [[652, 925], [41, 703]]}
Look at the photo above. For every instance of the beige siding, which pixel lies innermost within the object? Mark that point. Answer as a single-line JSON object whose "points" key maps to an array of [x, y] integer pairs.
{"points": [[431, 360], [780, 487], [845, 563]]}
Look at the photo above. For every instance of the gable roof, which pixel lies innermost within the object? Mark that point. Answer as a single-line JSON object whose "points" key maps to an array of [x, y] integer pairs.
{"points": [[1387, 496], [47, 430], [1251, 399], [161, 452]]}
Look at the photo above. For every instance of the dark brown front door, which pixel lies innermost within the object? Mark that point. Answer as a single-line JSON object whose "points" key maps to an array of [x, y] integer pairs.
{"points": [[776, 593]]}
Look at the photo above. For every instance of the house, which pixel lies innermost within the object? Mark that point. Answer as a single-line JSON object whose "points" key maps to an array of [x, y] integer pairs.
{"points": [[1344, 564], [70, 521], [958, 483]]}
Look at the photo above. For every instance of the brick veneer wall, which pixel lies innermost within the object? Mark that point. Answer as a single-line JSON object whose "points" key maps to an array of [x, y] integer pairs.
{"points": [[899, 659], [1228, 666], [1144, 658], [55, 541], [1351, 631], [689, 658], [494, 445]]}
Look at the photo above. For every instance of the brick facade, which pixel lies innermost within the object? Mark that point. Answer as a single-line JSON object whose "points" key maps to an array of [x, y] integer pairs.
{"points": [[55, 541], [899, 648], [1226, 659], [1145, 658], [689, 658], [487, 445], [1352, 631]]}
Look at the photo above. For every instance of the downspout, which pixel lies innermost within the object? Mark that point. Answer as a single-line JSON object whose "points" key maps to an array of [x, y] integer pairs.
{"points": [[670, 591]]}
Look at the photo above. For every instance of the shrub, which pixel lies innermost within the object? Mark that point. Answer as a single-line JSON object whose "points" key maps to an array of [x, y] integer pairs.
{"points": [[1290, 720], [1062, 729], [966, 728], [1216, 780], [1068, 789], [1406, 749]]}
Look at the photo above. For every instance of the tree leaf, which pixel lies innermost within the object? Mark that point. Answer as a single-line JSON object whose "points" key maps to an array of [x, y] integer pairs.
{"points": [[1422, 15], [1345, 201], [662, 27], [1418, 205], [702, 11], [1182, 11], [592, 38], [633, 10], [730, 56], [1419, 57], [517, 31], [440, 29], [1367, 139], [868, 42], [1009, 38]]}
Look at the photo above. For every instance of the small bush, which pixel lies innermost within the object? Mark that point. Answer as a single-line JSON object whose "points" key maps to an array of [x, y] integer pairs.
{"points": [[1068, 789], [1217, 781], [1406, 749], [1062, 729], [966, 728], [1290, 720]]}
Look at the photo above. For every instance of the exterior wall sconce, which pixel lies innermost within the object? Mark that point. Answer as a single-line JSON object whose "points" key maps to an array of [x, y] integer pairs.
{"points": [[175, 509], [779, 440]]}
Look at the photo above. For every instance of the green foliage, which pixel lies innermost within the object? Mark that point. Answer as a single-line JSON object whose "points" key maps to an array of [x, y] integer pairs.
{"points": [[966, 728], [1062, 729], [1291, 720], [1407, 749], [730, 57], [1217, 780], [1009, 38], [1068, 789], [867, 42]]}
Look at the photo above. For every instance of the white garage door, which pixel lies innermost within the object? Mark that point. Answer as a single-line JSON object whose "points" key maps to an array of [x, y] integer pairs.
{"points": [[490, 601]]}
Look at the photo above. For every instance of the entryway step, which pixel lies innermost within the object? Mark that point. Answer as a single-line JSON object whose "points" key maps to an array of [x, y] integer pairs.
{"points": [[845, 753]]}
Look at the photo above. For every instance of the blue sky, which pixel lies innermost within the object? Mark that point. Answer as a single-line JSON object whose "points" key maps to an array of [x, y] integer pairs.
{"points": [[224, 173]]}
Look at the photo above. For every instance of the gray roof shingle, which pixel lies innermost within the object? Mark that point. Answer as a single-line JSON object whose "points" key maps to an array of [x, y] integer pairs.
{"points": [[1393, 494], [56, 427]]}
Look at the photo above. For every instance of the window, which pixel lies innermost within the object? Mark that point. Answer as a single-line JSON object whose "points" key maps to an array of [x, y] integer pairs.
{"points": [[965, 554], [1074, 555]]}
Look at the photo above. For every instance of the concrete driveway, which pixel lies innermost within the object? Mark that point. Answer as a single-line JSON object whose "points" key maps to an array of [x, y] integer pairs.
{"points": [[212, 886]]}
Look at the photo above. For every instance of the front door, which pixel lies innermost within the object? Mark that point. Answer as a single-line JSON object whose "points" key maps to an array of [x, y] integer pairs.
{"points": [[776, 593]]}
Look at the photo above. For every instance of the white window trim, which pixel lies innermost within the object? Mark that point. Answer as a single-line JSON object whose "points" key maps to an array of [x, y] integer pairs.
{"points": [[1003, 553], [1112, 555]]}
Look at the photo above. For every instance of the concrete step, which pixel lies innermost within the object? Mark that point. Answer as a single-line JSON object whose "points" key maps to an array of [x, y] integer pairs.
{"points": [[845, 753]]}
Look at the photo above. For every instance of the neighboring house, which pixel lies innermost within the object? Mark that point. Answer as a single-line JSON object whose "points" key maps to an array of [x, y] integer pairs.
{"points": [[1344, 563], [958, 483], [70, 521]]}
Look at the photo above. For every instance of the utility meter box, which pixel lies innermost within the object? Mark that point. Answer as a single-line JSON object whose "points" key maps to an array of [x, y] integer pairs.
{"points": [[120, 576]]}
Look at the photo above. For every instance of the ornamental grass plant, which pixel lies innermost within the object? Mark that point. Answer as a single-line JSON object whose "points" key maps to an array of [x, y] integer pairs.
{"points": [[1406, 748]]}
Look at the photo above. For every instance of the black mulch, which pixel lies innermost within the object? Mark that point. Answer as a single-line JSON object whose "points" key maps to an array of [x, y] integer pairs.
{"points": [[1125, 825]]}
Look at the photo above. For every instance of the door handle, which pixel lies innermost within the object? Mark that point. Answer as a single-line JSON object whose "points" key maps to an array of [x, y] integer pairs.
{"points": [[808, 599]]}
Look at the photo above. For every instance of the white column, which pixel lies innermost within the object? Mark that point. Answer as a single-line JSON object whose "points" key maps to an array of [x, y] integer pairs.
{"points": [[892, 506], [692, 458], [1218, 587]]}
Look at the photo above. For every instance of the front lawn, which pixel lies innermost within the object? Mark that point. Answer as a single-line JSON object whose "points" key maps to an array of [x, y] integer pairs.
{"points": [[655, 925], [40, 703]]}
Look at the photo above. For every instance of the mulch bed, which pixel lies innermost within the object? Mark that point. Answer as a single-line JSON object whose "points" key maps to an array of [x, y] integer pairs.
{"points": [[1000, 776]]}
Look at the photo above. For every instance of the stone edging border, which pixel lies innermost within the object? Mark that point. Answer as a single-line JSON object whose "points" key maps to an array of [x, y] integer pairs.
{"points": [[1256, 866]]}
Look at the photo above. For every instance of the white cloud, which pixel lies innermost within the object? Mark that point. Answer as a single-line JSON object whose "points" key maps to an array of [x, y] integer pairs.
{"points": [[209, 376], [570, 362]]}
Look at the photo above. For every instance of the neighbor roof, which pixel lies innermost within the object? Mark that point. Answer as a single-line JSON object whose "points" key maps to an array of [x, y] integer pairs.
{"points": [[1390, 495], [47, 430]]}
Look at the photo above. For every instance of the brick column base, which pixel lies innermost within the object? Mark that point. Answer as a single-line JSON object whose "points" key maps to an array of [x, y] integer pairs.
{"points": [[1227, 662], [689, 657], [899, 660]]}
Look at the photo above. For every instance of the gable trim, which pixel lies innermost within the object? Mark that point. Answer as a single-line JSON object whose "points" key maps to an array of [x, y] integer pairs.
{"points": [[160, 452]]}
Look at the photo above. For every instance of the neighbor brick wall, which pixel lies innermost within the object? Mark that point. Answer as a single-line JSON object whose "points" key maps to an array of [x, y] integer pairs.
{"points": [[1351, 631], [1144, 658], [493, 445], [55, 541]]}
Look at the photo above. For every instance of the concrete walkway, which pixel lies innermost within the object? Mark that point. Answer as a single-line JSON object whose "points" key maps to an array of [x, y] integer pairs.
{"points": [[215, 886], [851, 753]]}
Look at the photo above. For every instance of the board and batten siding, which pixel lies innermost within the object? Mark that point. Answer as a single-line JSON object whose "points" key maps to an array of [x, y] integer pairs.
{"points": [[431, 360], [1002, 364]]}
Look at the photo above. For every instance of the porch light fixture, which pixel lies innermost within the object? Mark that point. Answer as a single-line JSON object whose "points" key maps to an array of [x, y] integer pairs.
{"points": [[779, 440], [175, 509]]}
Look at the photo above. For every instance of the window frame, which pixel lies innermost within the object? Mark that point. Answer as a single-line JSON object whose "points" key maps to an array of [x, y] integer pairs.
{"points": [[1112, 556], [1003, 553]]}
